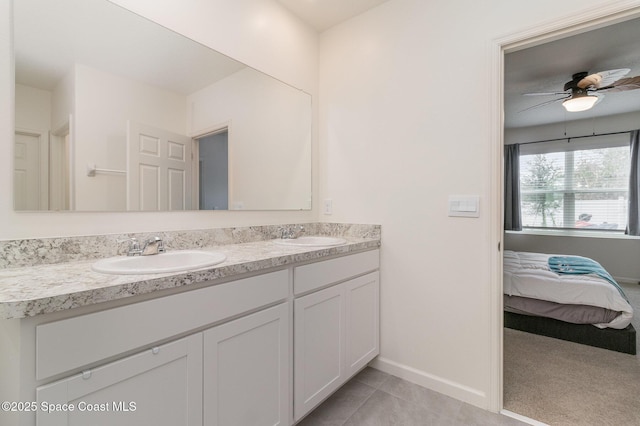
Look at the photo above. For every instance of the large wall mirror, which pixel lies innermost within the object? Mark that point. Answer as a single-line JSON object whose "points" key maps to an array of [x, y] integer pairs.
{"points": [[114, 113]]}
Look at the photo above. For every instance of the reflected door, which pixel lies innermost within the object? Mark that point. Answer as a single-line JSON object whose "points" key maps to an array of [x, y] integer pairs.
{"points": [[29, 172], [158, 169]]}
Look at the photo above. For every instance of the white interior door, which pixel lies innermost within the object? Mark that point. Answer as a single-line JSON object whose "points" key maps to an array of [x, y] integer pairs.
{"points": [[30, 172], [158, 169]]}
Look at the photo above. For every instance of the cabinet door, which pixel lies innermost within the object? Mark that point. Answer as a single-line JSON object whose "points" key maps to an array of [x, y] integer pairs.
{"points": [[160, 386], [246, 370], [319, 328], [363, 321]]}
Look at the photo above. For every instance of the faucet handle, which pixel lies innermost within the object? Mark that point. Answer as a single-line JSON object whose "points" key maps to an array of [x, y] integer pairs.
{"points": [[134, 245]]}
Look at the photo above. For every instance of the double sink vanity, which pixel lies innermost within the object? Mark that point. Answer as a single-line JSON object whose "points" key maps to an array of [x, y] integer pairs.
{"points": [[226, 327]]}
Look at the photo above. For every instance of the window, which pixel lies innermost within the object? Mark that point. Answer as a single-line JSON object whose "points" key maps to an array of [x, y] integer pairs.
{"points": [[581, 184]]}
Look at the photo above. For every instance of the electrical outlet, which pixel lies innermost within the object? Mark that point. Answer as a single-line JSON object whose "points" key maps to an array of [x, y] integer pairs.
{"points": [[328, 206]]}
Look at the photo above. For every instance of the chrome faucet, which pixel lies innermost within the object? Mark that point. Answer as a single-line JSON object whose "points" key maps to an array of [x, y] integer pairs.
{"points": [[288, 233], [153, 245]]}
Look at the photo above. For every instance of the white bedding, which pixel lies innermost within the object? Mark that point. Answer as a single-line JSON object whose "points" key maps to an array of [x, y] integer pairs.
{"points": [[528, 275]]}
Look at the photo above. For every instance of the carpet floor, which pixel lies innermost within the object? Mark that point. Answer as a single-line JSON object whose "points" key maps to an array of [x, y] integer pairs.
{"points": [[565, 383]]}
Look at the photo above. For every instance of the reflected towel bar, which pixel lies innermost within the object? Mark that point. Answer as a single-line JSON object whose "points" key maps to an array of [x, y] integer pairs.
{"points": [[92, 170]]}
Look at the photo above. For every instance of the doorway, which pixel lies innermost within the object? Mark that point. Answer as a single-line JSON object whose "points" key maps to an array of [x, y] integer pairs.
{"points": [[566, 27], [213, 170]]}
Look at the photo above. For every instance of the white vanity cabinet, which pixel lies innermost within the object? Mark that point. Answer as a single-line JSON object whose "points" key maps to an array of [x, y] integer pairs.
{"points": [[336, 325], [260, 350], [161, 386], [246, 370], [235, 372]]}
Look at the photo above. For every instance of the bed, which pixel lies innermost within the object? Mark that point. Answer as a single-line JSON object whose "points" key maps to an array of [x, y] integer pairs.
{"points": [[567, 297]]}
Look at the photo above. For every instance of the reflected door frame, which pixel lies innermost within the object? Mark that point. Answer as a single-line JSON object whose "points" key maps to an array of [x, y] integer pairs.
{"points": [[60, 170]]}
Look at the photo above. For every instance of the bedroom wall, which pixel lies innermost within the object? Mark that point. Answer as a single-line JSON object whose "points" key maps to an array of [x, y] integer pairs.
{"points": [[260, 33], [619, 254], [404, 122]]}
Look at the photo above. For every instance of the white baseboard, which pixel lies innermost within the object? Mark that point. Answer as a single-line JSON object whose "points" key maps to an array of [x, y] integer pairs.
{"points": [[523, 419], [429, 381]]}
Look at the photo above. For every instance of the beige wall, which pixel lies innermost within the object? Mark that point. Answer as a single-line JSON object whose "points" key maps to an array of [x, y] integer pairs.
{"points": [[269, 140], [405, 115], [33, 108], [108, 102]]}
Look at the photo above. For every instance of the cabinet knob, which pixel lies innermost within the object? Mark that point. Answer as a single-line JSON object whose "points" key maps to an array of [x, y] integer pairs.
{"points": [[155, 350], [86, 374]]}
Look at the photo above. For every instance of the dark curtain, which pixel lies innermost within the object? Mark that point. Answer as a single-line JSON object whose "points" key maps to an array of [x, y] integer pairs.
{"points": [[512, 217], [633, 228]]}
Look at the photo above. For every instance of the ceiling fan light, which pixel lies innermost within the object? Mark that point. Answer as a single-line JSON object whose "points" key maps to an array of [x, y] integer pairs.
{"points": [[581, 103]]}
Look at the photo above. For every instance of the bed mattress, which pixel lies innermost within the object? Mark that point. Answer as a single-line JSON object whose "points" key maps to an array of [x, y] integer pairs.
{"points": [[530, 287]]}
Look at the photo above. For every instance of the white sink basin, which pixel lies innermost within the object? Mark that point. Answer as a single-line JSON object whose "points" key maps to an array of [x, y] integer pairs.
{"points": [[311, 241], [172, 261]]}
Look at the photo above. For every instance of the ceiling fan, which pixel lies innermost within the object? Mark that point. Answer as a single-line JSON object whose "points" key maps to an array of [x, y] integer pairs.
{"points": [[585, 90]]}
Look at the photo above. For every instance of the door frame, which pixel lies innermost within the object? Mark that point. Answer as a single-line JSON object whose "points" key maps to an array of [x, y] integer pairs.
{"points": [[58, 138], [576, 23]]}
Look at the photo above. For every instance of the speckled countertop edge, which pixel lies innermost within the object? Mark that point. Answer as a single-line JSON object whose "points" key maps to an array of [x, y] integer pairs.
{"points": [[42, 289]]}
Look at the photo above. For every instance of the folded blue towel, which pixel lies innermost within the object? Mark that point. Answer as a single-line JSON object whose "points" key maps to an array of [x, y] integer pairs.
{"points": [[582, 265]]}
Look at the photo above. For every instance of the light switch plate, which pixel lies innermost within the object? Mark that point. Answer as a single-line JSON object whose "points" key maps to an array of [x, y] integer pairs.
{"points": [[464, 205], [328, 206]]}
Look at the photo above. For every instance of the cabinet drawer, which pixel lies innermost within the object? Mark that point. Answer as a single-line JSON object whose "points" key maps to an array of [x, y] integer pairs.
{"points": [[317, 275], [75, 342], [160, 386]]}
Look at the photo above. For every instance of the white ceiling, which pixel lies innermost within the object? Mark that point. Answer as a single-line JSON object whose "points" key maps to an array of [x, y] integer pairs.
{"points": [[323, 14], [547, 67]]}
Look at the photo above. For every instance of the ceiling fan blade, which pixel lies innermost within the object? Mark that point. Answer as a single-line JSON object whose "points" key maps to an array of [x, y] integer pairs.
{"points": [[546, 94], [545, 103], [623, 84], [602, 78]]}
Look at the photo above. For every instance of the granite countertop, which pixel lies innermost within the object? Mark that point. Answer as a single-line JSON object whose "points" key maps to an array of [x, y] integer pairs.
{"points": [[41, 289]]}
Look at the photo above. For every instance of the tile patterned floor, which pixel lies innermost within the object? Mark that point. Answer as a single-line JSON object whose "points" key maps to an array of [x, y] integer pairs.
{"points": [[374, 398]]}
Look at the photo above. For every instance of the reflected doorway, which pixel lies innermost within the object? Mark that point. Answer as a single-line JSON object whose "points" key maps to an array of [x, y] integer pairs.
{"points": [[213, 170]]}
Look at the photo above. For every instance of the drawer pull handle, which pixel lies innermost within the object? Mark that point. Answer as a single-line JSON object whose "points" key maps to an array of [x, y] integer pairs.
{"points": [[155, 350], [86, 374]]}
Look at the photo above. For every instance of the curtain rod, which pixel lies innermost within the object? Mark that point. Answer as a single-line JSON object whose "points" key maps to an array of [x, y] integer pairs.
{"points": [[568, 138]]}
